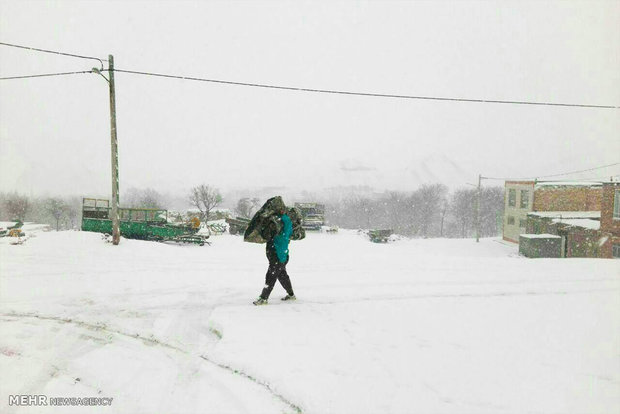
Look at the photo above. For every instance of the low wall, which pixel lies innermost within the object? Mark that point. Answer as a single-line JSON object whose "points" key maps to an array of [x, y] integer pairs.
{"points": [[540, 245]]}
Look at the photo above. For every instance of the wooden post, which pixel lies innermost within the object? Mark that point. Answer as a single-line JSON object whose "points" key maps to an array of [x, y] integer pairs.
{"points": [[116, 233]]}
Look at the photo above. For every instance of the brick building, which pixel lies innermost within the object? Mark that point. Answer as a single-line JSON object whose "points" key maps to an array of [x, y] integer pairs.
{"points": [[583, 233], [610, 218], [523, 197], [579, 231], [553, 196]]}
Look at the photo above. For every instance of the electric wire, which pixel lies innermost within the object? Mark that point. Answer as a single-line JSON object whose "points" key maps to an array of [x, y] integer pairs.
{"points": [[46, 75], [301, 89], [367, 94], [54, 52], [552, 175]]}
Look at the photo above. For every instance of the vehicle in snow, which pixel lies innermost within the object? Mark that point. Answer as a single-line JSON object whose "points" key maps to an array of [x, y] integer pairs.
{"points": [[237, 225], [313, 215], [380, 236], [13, 231], [139, 223]]}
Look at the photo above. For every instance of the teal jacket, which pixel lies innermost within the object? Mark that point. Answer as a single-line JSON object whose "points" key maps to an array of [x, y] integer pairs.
{"points": [[280, 242]]}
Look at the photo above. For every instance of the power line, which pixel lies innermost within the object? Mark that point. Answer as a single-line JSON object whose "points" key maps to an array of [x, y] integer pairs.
{"points": [[299, 89], [46, 75], [313, 90], [55, 52], [552, 175], [367, 94]]}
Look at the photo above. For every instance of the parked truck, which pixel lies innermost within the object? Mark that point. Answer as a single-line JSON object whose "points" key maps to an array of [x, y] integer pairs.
{"points": [[313, 215]]}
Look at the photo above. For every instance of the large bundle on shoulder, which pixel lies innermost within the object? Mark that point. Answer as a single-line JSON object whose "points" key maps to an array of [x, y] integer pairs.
{"points": [[266, 223], [298, 231]]}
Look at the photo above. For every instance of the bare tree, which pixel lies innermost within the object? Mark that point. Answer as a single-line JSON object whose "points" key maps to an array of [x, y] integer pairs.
{"points": [[491, 211], [444, 210], [244, 207], [73, 211], [151, 199], [431, 198], [131, 197], [205, 198], [255, 205], [462, 209], [147, 198], [57, 208], [16, 206]]}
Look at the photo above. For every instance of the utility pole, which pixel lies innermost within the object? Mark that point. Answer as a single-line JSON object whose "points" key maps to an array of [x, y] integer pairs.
{"points": [[478, 210], [116, 233]]}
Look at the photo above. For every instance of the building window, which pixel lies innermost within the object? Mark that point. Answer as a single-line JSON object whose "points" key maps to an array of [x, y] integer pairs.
{"points": [[525, 199], [617, 204], [511, 220], [615, 250], [522, 223], [512, 198]]}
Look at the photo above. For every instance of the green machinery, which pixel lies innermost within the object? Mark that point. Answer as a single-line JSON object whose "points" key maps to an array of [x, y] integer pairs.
{"points": [[379, 236], [139, 223], [237, 225], [313, 215], [13, 231]]}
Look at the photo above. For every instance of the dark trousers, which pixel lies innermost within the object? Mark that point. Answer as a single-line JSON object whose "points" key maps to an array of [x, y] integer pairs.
{"points": [[276, 271]]}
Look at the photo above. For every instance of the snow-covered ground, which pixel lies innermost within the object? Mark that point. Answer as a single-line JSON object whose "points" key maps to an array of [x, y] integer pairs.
{"points": [[414, 326]]}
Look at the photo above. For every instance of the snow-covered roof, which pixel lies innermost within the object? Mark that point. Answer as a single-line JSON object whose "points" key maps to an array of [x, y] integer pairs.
{"points": [[568, 184], [567, 214], [581, 222], [539, 236]]}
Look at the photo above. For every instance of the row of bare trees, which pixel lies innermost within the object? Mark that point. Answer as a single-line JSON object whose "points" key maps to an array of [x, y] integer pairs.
{"points": [[430, 211], [60, 213]]}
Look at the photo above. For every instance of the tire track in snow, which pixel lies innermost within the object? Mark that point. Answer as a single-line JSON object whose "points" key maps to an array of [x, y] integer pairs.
{"points": [[153, 341], [455, 295]]}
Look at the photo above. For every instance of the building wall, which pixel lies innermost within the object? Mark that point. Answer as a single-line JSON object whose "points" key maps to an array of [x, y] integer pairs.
{"points": [[515, 217], [541, 225], [608, 222], [615, 241], [606, 249], [577, 242], [538, 247], [567, 198], [586, 243]]}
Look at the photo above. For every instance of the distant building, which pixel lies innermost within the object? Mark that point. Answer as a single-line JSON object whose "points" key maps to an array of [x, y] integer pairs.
{"points": [[582, 233], [610, 219], [523, 197], [518, 201], [579, 231]]}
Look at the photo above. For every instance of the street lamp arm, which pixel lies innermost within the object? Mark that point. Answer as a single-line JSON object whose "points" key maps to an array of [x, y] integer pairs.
{"points": [[98, 71]]}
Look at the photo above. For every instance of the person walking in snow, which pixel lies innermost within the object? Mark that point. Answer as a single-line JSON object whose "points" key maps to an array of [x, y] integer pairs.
{"points": [[278, 255]]}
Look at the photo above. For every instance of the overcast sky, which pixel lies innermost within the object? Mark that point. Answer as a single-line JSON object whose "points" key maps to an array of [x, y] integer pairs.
{"points": [[174, 134]]}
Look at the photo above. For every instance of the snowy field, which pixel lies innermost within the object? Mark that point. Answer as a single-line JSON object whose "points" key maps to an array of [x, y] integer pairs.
{"points": [[414, 326]]}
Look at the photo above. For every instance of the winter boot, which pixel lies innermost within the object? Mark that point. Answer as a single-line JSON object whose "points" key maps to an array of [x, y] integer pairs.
{"points": [[289, 297], [260, 301]]}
